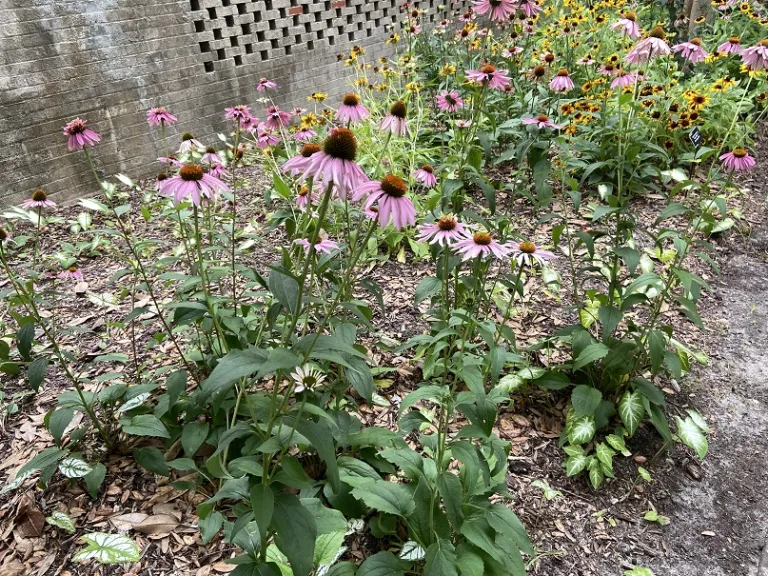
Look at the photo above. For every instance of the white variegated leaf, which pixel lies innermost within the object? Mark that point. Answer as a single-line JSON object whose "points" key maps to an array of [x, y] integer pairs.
{"points": [[74, 467], [17, 481], [61, 520], [698, 419], [412, 552], [644, 474], [692, 436], [576, 464], [631, 410], [134, 402], [582, 430], [108, 549]]}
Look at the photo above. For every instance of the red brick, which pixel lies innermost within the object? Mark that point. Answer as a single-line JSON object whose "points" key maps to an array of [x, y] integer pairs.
{"points": [[295, 11], [339, 4]]}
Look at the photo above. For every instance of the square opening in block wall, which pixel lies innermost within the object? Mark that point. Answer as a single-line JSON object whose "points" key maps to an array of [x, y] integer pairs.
{"points": [[205, 46], [199, 26], [260, 36], [288, 50], [221, 54], [225, 2], [217, 34], [272, 25], [257, 16], [268, 4], [230, 20], [273, 42], [194, 4], [238, 60], [208, 66], [311, 45], [264, 54], [233, 41], [212, 13], [246, 29], [242, 9], [248, 48]]}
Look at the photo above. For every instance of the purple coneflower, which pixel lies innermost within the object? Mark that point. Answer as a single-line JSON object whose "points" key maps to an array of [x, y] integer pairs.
{"points": [[449, 101], [351, 110], [586, 60], [326, 246], [395, 122], [239, 113], [608, 69], [756, 57], [160, 116], [562, 81], [304, 135], [480, 244], [655, 44], [541, 121], [188, 144], [335, 163], [426, 175], [193, 182], [622, 79], [463, 123], [72, 273], [210, 156], [305, 198], [737, 160], [277, 118], [265, 84], [627, 24], [172, 160], [489, 76], [446, 231], [527, 253], [79, 135], [300, 162], [691, 50], [39, 199], [511, 51], [389, 193], [530, 8], [731, 46], [499, 9], [249, 124]]}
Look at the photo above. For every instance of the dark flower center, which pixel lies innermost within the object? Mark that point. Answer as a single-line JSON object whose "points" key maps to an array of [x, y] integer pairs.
{"points": [[734, 40], [495, 3], [428, 168], [450, 99], [539, 71], [739, 152], [394, 186], [482, 238], [488, 69], [210, 150], [187, 136], [351, 99], [658, 32], [549, 58], [3, 235], [162, 176], [542, 118], [72, 269], [342, 144], [621, 73], [699, 99], [527, 247], [695, 41], [630, 16], [609, 67], [447, 223], [39, 195], [77, 127], [191, 172], [399, 109], [562, 72], [308, 149], [304, 191]]}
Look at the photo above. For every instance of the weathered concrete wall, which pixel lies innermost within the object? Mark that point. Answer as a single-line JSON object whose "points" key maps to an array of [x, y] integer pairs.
{"points": [[108, 61]]}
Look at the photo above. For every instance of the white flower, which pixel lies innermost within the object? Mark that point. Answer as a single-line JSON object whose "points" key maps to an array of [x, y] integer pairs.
{"points": [[307, 376]]}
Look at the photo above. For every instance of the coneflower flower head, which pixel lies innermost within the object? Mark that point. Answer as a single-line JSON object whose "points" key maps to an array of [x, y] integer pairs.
{"points": [[160, 116], [395, 121], [335, 163], [446, 231], [691, 50], [426, 175], [351, 110], [562, 81], [756, 57], [737, 160], [391, 201], [527, 253], [191, 182], [39, 199], [300, 162], [731, 46], [480, 244], [80, 135]]}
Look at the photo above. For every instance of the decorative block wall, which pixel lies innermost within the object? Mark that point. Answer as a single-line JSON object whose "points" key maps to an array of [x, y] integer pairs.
{"points": [[110, 60]]}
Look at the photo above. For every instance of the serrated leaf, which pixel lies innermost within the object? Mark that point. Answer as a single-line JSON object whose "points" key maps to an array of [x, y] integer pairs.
{"points": [[631, 410], [441, 559], [74, 467], [61, 520], [108, 549], [692, 436], [146, 425]]}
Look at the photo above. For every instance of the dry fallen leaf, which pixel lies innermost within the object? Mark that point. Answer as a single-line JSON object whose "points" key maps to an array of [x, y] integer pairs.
{"points": [[29, 520], [12, 567], [158, 524], [125, 522]]}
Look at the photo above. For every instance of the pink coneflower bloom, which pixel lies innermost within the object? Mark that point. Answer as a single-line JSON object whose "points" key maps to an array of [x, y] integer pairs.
{"points": [[499, 9], [277, 118], [393, 204], [304, 198], [756, 57], [426, 175], [238, 113], [170, 160], [530, 8], [628, 25], [489, 76], [249, 124], [72, 273], [298, 111], [304, 135], [623, 79], [414, 29], [585, 60], [737, 160], [395, 121], [188, 144], [449, 101], [467, 16], [691, 50], [731, 46], [192, 182], [561, 82], [160, 116], [216, 170], [608, 69], [511, 51], [266, 138], [265, 84], [162, 177], [527, 253], [79, 135], [326, 246], [351, 110], [210, 156], [300, 162], [649, 48], [463, 123], [541, 121], [39, 199], [445, 232], [335, 163], [480, 244]]}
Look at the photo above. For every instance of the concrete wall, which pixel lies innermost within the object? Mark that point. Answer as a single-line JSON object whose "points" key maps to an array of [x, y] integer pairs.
{"points": [[108, 61]]}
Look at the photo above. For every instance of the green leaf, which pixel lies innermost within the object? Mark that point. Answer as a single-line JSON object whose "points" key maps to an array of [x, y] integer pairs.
{"points": [[249, 538], [94, 479], [235, 365], [44, 459], [386, 497], [108, 549], [596, 476], [552, 381], [631, 411], [210, 526], [477, 531], [582, 430], [576, 464], [428, 287], [638, 571], [342, 569], [591, 353], [381, 564], [470, 563], [449, 486], [24, 338], [295, 533], [74, 467], [657, 345], [434, 393], [441, 559], [36, 373], [610, 318], [152, 459], [617, 443], [585, 399], [328, 547], [699, 420], [263, 505], [58, 420], [692, 436], [549, 492], [648, 389], [506, 522], [644, 474], [604, 455], [192, 437], [61, 520], [146, 425], [285, 288], [176, 384]]}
